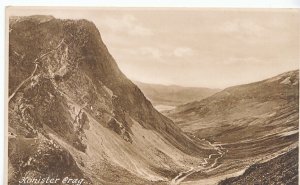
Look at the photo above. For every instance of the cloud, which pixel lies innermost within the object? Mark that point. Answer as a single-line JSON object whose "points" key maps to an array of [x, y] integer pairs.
{"points": [[164, 54], [126, 24], [145, 53], [183, 52], [237, 60], [242, 28], [153, 52]]}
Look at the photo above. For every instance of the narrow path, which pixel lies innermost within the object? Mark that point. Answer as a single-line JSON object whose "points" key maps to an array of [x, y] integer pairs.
{"points": [[34, 70], [23, 82], [183, 175]]}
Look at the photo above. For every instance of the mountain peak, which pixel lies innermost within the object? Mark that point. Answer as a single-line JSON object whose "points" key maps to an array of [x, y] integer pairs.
{"points": [[287, 78], [66, 89]]}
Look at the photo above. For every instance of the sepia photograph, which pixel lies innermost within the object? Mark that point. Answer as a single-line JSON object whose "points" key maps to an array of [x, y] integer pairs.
{"points": [[152, 96]]}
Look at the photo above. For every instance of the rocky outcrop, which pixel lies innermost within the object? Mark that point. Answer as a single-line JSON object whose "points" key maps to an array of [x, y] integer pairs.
{"points": [[280, 170]]}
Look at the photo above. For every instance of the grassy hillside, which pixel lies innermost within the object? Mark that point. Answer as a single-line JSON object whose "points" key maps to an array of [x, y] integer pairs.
{"points": [[252, 122]]}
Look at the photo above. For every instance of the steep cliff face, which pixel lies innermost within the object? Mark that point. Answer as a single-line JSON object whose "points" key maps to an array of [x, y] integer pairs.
{"points": [[65, 88]]}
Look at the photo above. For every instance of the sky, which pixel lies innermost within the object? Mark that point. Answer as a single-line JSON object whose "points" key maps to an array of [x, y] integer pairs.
{"points": [[198, 47]]}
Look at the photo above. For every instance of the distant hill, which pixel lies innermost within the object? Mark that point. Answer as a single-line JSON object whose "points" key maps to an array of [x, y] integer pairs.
{"points": [[252, 122], [173, 95], [244, 109]]}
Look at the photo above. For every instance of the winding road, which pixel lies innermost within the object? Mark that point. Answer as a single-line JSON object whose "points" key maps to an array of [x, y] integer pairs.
{"points": [[203, 166]]}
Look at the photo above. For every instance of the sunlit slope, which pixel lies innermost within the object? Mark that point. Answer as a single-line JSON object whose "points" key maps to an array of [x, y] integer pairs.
{"points": [[244, 112]]}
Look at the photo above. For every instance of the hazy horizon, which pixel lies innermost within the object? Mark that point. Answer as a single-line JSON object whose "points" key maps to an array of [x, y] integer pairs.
{"points": [[193, 47], [212, 87]]}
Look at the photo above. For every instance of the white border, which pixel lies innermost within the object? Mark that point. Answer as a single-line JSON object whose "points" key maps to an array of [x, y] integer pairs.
{"points": [[161, 3], [115, 3]]}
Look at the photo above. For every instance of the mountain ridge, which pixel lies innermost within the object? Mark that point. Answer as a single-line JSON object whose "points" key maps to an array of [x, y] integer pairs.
{"points": [[173, 95], [67, 90]]}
